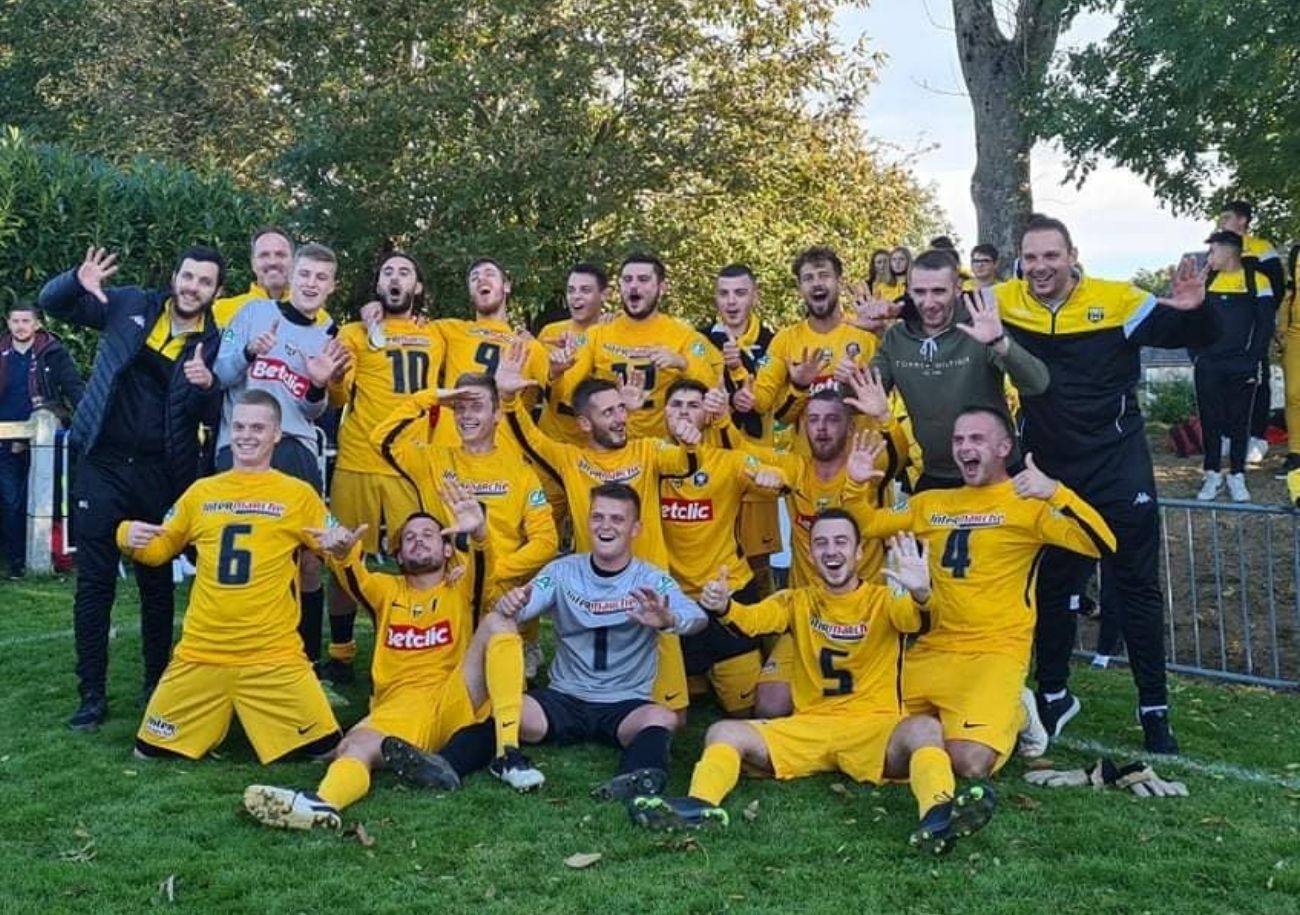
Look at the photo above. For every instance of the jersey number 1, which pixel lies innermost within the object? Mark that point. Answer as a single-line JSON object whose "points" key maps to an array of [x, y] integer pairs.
{"points": [[234, 565], [410, 371], [956, 553]]}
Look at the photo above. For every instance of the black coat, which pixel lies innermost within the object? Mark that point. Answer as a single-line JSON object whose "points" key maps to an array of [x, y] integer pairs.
{"points": [[124, 324], [53, 381]]}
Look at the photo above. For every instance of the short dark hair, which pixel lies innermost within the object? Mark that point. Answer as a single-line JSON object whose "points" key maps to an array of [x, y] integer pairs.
{"points": [[204, 254], [415, 516], [25, 305], [587, 269], [734, 271], [645, 257], [944, 242], [686, 384], [837, 514], [936, 259], [588, 388], [256, 397], [269, 230], [1003, 419], [815, 255], [480, 261], [313, 251], [1040, 223], [620, 492], [831, 395], [985, 249], [419, 301], [481, 380], [1243, 208]]}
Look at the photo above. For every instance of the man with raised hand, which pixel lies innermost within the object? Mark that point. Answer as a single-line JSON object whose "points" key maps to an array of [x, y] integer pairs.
{"points": [[642, 341], [431, 676], [984, 540], [584, 297], [609, 609], [239, 652], [291, 351], [849, 638], [1086, 430], [137, 430], [393, 357], [270, 258]]}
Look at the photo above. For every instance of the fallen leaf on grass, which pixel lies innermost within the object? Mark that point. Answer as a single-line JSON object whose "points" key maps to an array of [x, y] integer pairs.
{"points": [[358, 831], [81, 832], [1214, 821], [838, 788], [582, 860], [167, 889], [750, 813], [1025, 802], [83, 855], [130, 772], [1041, 762]]}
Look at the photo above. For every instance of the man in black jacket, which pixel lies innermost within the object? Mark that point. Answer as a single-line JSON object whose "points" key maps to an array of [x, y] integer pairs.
{"points": [[35, 372], [137, 431]]}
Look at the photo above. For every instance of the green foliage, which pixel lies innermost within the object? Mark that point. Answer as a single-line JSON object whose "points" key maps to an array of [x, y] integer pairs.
{"points": [[54, 204], [1199, 97], [1159, 281], [1169, 401], [538, 133]]}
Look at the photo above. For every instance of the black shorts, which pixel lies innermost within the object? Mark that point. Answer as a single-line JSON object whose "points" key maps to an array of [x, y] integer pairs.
{"points": [[572, 720], [291, 457], [716, 642]]}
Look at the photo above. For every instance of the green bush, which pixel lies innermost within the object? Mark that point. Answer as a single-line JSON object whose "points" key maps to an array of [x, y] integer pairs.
{"points": [[1169, 401], [55, 203]]}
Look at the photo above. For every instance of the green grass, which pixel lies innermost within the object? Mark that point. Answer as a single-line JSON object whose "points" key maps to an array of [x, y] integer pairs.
{"points": [[88, 828]]}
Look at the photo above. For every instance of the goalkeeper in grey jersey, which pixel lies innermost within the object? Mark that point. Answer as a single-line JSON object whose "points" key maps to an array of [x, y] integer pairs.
{"points": [[608, 609]]}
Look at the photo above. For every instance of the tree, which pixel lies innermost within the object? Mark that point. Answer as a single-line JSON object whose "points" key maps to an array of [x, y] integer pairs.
{"points": [[1004, 75], [1199, 97]]}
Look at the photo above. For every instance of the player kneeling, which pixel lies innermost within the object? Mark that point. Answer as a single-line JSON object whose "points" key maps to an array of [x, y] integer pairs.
{"points": [[429, 679], [608, 608], [849, 639]]}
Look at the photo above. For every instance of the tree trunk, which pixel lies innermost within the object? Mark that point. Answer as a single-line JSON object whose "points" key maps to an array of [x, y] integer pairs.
{"points": [[1004, 77]]}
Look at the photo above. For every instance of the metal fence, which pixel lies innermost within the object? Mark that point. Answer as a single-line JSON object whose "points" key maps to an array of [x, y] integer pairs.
{"points": [[1229, 574]]}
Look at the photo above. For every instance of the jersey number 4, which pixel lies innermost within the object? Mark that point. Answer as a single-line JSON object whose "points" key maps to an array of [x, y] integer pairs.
{"points": [[234, 565], [956, 553]]}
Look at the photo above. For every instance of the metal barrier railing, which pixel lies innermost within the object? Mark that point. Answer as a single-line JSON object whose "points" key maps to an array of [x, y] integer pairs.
{"points": [[1230, 574]]}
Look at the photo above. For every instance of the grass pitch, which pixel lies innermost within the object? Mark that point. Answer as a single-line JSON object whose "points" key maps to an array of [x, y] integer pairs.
{"points": [[88, 828]]}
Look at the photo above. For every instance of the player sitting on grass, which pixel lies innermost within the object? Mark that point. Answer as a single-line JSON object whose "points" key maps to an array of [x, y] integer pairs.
{"points": [[849, 639], [240, 651], [430, 680], [608, 609]]}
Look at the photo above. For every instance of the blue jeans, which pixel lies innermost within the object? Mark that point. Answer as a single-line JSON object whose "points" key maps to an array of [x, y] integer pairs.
{"points": [[13, 505]]}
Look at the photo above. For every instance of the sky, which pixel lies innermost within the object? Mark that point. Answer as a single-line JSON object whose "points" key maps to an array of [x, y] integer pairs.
{"points": [[919, 108]]}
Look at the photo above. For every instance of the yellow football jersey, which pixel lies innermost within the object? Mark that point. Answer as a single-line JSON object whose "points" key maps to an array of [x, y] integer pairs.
{"points": [[984, 544], [890, 292], [378, 382], [521, 529], [773, 392], [618, 349], [420, 634], [640, 464], [700, 513], [476, 346], [557, 419], [247, 528], [225, 309], [848, 648]]}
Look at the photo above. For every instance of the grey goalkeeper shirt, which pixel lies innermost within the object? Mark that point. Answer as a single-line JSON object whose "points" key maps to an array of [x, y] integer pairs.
{"points": [[602, 654]]}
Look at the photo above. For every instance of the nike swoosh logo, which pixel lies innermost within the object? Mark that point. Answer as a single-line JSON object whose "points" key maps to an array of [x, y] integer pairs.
{"points": [[305, 728], [507, 724], [747, 694], [671, 696], [967, 724]]}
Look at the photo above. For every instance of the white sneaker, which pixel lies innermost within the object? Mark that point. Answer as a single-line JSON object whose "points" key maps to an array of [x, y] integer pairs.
{"points": [[1237, 490], [1032, 741], [284, 808], [1256, 448], [533, 659], [1211, 487], [517, 770]]}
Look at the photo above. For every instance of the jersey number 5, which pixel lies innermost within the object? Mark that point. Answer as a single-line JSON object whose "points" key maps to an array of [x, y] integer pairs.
{"points": [[234, 565], [956, 553], [842, 678]]}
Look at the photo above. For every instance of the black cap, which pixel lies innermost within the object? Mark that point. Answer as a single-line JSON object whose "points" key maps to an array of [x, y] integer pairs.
{"points": [[1224, 237]]}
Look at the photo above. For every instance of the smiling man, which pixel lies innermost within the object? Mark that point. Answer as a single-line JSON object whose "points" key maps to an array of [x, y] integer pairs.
{"points": [[271, 258], [1086, 430], [137, 429]]}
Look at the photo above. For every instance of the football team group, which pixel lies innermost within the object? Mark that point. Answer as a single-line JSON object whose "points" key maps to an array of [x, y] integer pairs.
{"points": [[946, 457]]}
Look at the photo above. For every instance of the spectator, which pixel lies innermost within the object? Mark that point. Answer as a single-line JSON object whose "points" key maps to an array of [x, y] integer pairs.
{"points": [[35, 372], [878, 272], [984, 265], [137, 430], [1229, 372]]}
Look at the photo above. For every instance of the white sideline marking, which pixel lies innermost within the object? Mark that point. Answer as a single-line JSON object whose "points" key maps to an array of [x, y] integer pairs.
{"points": [[1199, 766]]}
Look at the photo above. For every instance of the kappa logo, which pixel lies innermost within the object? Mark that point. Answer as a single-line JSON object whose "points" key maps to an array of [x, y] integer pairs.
{"points": [[139, 321], [1096, 314], [1142, 498], [413, 638]]}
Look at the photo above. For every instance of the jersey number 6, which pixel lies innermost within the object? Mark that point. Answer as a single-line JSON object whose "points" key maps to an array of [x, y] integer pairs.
{"points": [[234, 565]]}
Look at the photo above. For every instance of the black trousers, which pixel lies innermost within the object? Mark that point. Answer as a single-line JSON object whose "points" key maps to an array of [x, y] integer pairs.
{"points": [[109, 490], [1120, 485], [1225, 398], [1262, 407]]}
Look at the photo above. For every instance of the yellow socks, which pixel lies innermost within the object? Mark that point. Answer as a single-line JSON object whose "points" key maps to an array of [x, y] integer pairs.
{"points": [[716, 773], [346, 652], [346, 781], [930, 774], [503, 669]]}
